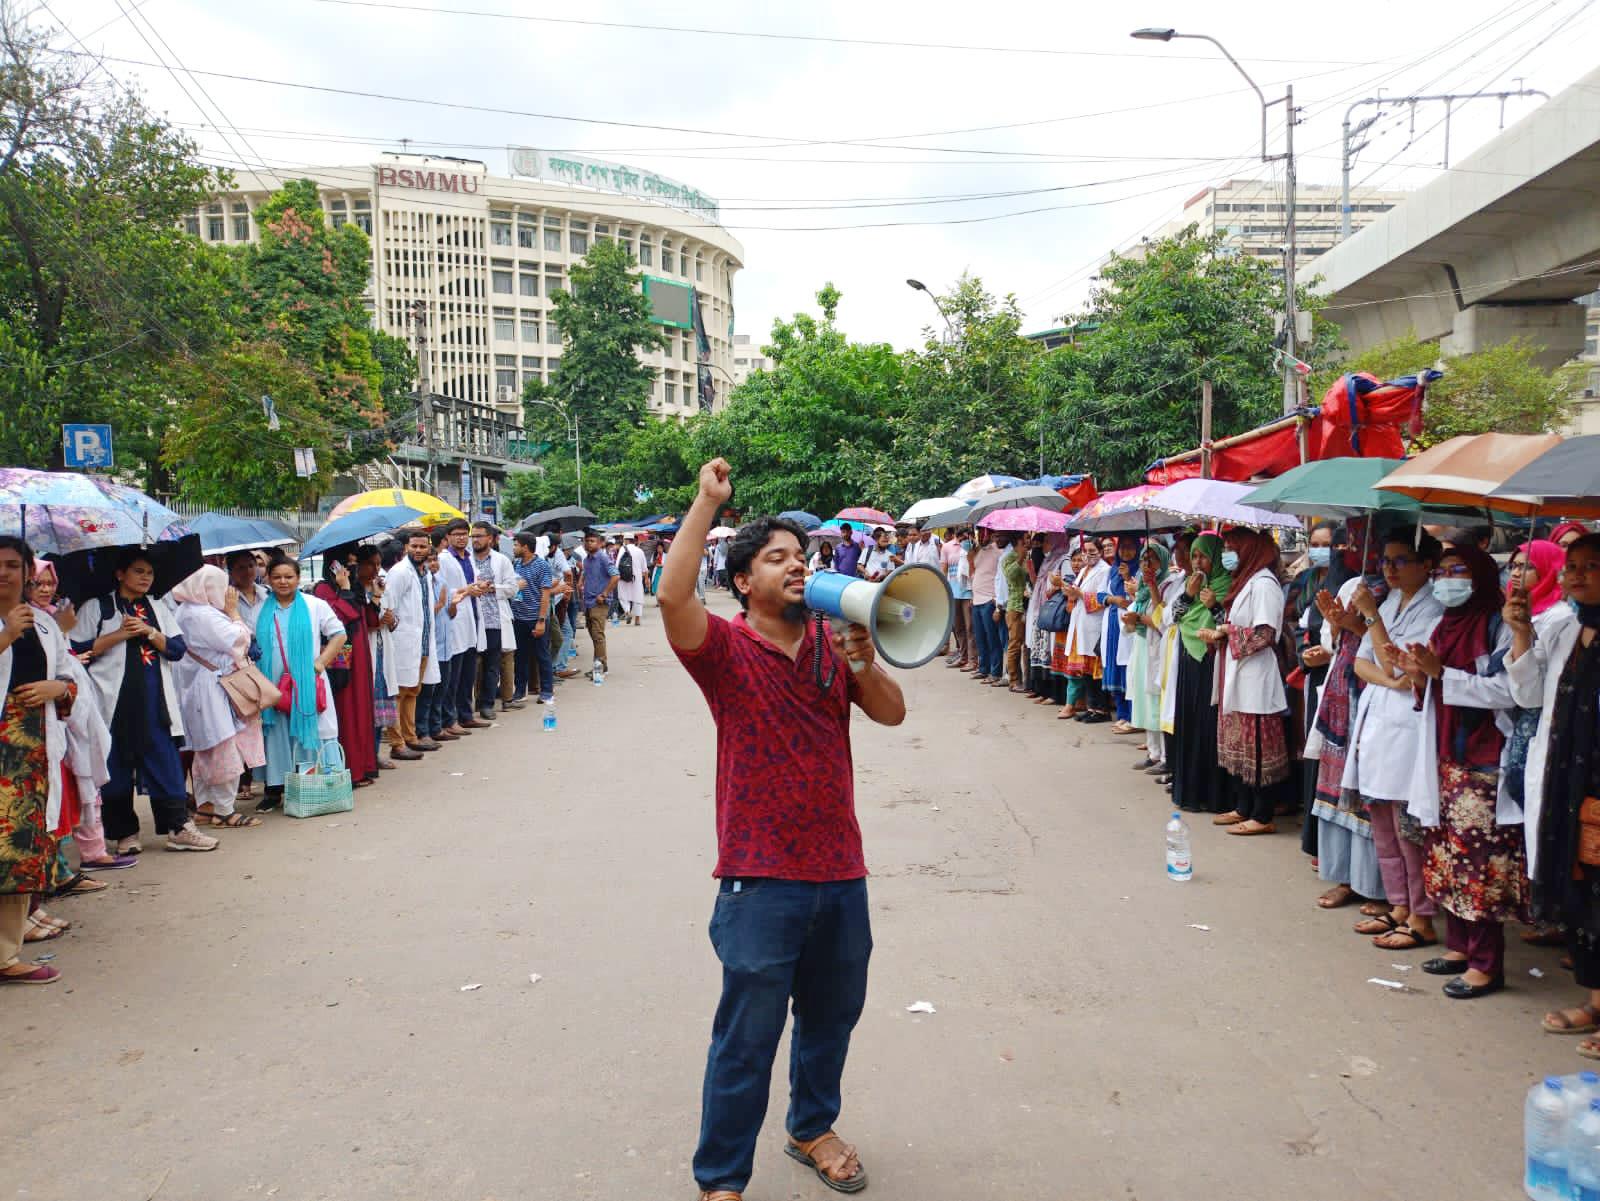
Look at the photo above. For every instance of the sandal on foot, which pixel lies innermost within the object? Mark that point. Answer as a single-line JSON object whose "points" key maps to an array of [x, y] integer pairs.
{"points": [[234, 820], [1589, 1048], [43, 973], [837, 1154], [1374, 909], [1249, 829], [1336, 897], [81, 884], [1416, 937], [41, 931], [1557, 1023], [1227, 819], [1382, 924], [721, 1194]]}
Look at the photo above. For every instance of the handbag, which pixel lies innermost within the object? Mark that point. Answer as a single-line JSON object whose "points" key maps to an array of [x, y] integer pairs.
{"points": [[1589, 832], [286, 681], [1055, 615], [247, 690], [319, 786]]}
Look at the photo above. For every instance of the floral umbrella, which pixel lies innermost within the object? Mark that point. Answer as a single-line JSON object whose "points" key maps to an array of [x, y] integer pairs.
{"points": [[1122, 511], [862, 513], [1028, 520], [60, 512]]}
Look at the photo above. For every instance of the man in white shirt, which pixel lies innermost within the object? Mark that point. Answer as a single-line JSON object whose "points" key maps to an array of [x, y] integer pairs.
{"points": [[408, 613], [497, 583], [925, 548]]}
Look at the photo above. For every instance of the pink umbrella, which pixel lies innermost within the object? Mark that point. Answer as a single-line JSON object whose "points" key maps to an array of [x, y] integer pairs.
{"points": [[1120, 511], [861, 513], [1029, 520]]}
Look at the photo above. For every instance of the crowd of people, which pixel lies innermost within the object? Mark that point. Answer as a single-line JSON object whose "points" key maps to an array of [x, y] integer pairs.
{"points": [[1427, 712], [399, 648]]}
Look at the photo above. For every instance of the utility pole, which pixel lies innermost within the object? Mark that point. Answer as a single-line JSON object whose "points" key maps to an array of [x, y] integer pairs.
{"points": [[1291, 381], [1205, 429], [419, 328]]}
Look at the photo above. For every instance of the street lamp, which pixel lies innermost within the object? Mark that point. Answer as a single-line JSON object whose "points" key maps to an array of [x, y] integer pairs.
{"points": [[577, 441], [918, 286], [1291, 385]]}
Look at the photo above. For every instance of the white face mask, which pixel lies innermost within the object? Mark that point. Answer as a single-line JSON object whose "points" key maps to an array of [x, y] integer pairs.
{"points": [[1452, 592]]}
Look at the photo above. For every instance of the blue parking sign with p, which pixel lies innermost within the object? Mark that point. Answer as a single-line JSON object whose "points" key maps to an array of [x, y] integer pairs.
{"points": [[86, 446]]}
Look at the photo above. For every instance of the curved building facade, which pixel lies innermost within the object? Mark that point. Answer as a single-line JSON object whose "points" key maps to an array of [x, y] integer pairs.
{"points": [[465, 265]]}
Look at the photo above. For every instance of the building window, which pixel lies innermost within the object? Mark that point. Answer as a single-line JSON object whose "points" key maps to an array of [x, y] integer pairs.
{"points": [[532, 362], [505, 329], [527, 236], [553, 284], [215, 230], [191, 224], [552, 234], [552, 333], [501, 282], [530, 329], [670, 392], [579, 242], [527, 284], [552, 365], [241, 223], [666, 254], [683, 262], [505, 377], [500, 233], [362, 216], [699, 266], [647, 254]]}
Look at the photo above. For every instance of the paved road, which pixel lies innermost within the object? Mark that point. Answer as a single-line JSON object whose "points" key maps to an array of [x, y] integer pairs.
{"points": [[286, 1018]]}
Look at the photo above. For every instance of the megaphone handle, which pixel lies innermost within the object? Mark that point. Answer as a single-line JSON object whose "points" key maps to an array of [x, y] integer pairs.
{"points": [[843, 627]]}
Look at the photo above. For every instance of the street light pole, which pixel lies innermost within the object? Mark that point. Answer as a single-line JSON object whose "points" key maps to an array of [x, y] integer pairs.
{"points": [[919, 286], [577, 438], [1291, 381]]}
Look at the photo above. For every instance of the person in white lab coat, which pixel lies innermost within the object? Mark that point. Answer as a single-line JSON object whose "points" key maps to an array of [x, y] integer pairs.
{"points": [[496, 583], [1387, 729], [408, 598], [1561, 675], [630, 592]]}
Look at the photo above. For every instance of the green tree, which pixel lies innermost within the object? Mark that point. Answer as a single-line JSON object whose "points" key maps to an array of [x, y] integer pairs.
{"points": [[101, 291], [805, 433], [1182, 312], [655, 456], [605, 323], [1500, 389], [968, 405]]}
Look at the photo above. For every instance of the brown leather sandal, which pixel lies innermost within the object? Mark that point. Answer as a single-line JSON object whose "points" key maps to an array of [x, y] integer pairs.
{"points": [[834, 1157], [721, 1194]]}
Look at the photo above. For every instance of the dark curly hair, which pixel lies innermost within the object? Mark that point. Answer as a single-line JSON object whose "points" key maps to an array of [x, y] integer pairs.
{"points": [[752, 537]]}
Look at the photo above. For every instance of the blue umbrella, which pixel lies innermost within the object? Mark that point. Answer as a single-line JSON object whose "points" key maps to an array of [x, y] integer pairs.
{"points": [[806, 521], [353, 527], [221, 534]]}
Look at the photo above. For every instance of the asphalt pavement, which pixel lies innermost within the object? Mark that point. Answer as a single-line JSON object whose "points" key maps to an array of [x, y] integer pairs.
{"points": [[344, 1007]]}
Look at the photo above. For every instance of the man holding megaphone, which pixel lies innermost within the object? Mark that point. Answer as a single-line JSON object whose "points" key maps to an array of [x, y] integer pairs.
{"points": [[790, 921]]}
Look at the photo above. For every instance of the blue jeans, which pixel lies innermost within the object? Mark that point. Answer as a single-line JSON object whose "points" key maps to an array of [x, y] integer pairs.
{"points": [[777, 940], [991, 638]]}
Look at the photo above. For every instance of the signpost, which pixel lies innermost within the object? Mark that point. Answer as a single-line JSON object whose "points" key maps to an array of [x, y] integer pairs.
{"points": [[86, 447]]}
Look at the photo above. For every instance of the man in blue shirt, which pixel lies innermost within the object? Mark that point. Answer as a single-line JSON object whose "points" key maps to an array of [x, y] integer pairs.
{"points": [[530, 618], [599, 582], [846, 558]]}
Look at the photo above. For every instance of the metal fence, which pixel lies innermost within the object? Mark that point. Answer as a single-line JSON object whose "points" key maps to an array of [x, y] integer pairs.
{"points": [[299, 523]]}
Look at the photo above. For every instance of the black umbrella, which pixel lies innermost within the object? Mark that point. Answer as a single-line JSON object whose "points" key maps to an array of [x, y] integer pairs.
{"points": [[1565, 479], [568, 517], [86, 573]]}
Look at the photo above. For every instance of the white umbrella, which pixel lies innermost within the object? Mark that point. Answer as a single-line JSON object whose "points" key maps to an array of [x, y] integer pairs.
{"points": [[721, 531], [931, 507], [1024, 497]]}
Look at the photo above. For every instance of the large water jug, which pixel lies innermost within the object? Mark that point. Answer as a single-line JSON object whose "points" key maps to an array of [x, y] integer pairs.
{"points": [[1583, 1154], [1544, 1122]]}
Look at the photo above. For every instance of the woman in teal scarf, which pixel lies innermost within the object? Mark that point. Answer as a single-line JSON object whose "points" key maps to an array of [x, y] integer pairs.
{"points": [[299, 636], [1198, 783]]}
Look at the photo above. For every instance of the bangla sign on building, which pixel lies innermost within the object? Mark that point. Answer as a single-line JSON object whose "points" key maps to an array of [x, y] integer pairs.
{"points": [[612, 177]]}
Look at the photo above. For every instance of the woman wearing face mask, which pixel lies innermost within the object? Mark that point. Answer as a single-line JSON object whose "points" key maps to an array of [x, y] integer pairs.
{"points": [[1475, 863], [1251, 744], [1561, 675], [1198, 784], [1384, 742], [1346, 855]]}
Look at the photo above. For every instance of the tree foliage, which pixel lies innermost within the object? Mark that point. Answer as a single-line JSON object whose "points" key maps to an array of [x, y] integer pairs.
{"points": [[1499, 389]]}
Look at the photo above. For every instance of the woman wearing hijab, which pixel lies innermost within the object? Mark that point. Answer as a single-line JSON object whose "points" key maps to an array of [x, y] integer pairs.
{"points": [[1084, 667], [1475, 863], [1568, 532], [133, 642], [299, 637], [1386, 735], [1198, 784], [1251, 744], [351, 671], [1122, 575], [1172, 587], [1301, 608], [1346, 855], [224, 747], [1142, 629], [1561, 676]]}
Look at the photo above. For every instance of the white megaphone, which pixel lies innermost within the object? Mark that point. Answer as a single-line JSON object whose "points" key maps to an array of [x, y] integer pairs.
{"points": [[909, 613]]}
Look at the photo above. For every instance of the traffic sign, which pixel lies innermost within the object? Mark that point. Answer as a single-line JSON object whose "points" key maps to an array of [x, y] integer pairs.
{"points": [[85, 447]]}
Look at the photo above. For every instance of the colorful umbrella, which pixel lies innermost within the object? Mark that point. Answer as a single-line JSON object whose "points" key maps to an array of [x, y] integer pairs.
{"points": [[425, 509], [1211, 502], [1122, 511], [861, 513], [833, 533], [1566, 478], [1465, 470], [353, 527], [984, 484], [60, 512], [1029, 519], [1020, 497], [806, 521]]}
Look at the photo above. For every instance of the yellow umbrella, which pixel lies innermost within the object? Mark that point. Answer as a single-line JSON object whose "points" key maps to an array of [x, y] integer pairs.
{"points": [[430, 510]]}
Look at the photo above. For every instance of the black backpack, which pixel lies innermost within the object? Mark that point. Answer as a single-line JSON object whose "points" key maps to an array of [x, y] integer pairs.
{"points": [[625, 566]]}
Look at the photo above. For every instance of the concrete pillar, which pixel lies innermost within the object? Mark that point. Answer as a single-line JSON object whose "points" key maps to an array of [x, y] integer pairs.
{"points": [[1559, 328]]}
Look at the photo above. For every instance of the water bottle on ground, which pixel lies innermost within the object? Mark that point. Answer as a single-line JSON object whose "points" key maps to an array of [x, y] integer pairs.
{"points": [[599, 675], [1580, 1088], [1179, 866], [1583, 1153], [1544, 1121], [550, 716]]}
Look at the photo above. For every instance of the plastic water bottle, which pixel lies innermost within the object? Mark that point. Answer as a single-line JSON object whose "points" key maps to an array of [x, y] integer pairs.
{"points": [[1580, 1088], [599, 676], [1583, 1154], [1179, 866], [550, 716], [1544, 1121]]}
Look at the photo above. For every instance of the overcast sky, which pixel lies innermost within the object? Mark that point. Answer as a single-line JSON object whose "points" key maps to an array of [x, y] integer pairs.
{"points": [[1101, 136]]}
